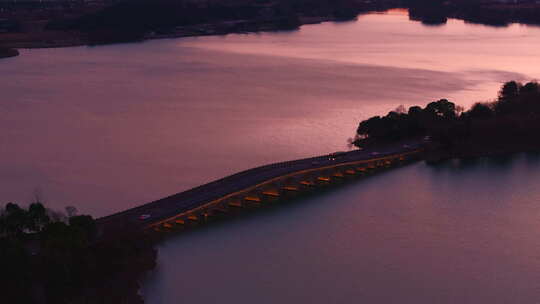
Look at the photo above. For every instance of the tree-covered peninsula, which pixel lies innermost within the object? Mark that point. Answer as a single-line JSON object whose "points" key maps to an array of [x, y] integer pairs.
{"points": [[511, 123]]}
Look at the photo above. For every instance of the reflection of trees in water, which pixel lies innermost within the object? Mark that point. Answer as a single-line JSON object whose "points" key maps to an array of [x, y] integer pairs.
{"points": [[494, 162]]}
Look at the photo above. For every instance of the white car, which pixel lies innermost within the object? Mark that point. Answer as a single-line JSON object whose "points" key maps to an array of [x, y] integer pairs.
{"points": [[336, 155], [143, 217]]}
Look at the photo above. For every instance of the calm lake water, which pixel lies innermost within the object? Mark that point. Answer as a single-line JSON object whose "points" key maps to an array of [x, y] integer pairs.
{"points": [[459, 233], [107, 128]]}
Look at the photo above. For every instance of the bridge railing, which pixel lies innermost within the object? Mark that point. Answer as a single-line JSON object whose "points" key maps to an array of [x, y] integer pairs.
{"points": [[239, 175], [274, 179]]}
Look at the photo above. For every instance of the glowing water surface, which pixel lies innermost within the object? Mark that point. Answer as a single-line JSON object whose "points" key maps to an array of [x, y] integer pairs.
{"points": [[459, 233], [110, 127]]}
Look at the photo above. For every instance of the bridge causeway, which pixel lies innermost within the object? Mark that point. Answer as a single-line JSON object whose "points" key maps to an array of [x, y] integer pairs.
{"points": [[256, 187]]}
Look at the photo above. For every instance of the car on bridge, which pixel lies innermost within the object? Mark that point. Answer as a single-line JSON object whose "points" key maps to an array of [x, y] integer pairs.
{"points": [[336, 155], [143, 217]]}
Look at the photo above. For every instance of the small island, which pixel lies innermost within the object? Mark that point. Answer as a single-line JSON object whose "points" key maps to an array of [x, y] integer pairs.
{"points": [[509, 124], [8, 52]]}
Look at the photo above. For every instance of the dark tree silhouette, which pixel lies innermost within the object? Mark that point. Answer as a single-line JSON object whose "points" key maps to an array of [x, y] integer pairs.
{"points": [[512, 120], [480, 111], [37, 217], [49, 260]]}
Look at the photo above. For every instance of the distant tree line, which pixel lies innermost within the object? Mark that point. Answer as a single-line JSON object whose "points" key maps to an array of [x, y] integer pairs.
{"points": [[512, 119], [474, 11], [48, 257], [131, 19]]}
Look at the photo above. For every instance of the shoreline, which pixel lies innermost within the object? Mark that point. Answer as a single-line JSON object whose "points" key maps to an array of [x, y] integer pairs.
{"points": [[85, 26], [60, 39]]}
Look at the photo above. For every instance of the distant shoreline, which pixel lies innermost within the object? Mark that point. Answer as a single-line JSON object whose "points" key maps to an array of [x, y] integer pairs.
{"points": [[63, 35], [59, 39]]}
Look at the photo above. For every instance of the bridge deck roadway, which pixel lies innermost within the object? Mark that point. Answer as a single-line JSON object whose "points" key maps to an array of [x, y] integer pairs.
{"points": [[184, 201]]}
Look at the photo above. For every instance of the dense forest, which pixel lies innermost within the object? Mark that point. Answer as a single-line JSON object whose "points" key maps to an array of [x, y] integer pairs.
{"points": [[131, 20], [48, 257], [510, 123], [474, 11], [134, 20]]}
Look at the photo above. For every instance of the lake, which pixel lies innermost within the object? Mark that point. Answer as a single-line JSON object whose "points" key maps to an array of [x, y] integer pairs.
{"points": [[111, 127], [457, 233]]}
